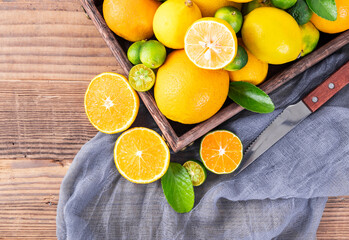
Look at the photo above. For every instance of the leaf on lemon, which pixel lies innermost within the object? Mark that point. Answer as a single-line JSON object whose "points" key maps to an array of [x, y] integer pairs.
{"points": [[324, 8], [250, 97], [178, 188]]}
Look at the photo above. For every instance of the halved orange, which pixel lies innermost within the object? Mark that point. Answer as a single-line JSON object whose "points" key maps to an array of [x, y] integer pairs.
{"points": [[141, 155], [210, 43], [221, 152], [111, 104]]}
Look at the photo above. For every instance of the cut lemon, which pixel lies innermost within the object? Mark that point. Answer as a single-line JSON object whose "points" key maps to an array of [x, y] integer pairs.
{"points": [[211, 43], [197, 172], [111, 104], [141, 78], [221, 152], [141, 155]]}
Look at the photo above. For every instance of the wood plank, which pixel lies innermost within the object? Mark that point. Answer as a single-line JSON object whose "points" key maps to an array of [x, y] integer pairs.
{"points": [[43, 119], [51, 41], [29, 196], [335, 220]]}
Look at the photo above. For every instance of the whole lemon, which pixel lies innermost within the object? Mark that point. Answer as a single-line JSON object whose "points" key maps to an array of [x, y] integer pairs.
{"points": [[209, 7], [172, 20], [187, 94], [272, 35], [131, 20]]}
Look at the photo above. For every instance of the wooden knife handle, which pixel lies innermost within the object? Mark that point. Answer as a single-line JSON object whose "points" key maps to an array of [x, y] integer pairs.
{"points": [[328, 88]]}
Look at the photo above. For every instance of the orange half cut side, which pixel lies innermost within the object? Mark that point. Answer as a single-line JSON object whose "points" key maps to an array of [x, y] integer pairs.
{"points": [[221, 152], [141, 155]]}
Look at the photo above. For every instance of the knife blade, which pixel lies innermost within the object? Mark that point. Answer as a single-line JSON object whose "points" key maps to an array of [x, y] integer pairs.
{"points": [[294, 114]]}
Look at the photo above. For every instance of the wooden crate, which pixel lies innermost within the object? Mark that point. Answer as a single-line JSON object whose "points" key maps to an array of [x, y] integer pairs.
{"points": [[179, 135]]}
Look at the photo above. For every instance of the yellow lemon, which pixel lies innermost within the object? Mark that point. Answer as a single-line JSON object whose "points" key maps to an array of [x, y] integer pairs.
{"points": [[211, 43], [131, 20], [272, 35], [172, 20], [187, 94], [209, 7]]}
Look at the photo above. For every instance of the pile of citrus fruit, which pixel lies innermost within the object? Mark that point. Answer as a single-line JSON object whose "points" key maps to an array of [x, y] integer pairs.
{"points": [[192, 53]]}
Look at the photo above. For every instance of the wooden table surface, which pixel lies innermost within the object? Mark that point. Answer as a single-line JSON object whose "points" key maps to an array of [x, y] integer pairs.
{"points": [[49, 51]]}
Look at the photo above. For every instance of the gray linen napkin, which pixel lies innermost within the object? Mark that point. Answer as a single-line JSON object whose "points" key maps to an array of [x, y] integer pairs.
{"points": [[280, 196]]}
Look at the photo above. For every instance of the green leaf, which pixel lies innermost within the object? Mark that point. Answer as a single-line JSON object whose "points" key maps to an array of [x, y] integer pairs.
{"points": [[178, 188], [324, 8], [250, 97]]}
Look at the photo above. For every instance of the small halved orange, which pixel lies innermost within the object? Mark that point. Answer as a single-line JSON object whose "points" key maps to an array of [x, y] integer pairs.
{"points": [[221, 152], [111, 104], [141, 155]]}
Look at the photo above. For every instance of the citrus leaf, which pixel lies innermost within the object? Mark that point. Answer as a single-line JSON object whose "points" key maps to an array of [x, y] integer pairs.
{"points": [[250, 97], [324, 8], [178, 188]]}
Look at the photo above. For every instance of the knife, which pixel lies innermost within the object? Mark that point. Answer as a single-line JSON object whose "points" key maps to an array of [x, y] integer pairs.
{"points": [[294, 114]]}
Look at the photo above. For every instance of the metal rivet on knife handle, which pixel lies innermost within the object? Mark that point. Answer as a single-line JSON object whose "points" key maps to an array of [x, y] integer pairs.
{"points": [[328, 88]]}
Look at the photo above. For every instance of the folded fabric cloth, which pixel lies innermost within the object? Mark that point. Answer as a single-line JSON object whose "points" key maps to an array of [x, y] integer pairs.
{"points": [[280, 196]]}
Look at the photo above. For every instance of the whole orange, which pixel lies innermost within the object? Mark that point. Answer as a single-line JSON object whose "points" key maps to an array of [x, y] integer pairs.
{"points": [[187, 94], [130, 19], [340, 25]]}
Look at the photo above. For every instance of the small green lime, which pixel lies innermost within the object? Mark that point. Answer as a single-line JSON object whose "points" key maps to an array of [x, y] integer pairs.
{"points": [[153, 54], [141, 78], [133, 52], [283, 4], [300, 12], [232, 15], [239, 61], [250, 6], [197, 172], [310, 38]]}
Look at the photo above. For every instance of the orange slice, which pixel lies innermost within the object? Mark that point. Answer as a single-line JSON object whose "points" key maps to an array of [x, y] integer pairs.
{"points": [[141, 155], [210, 43], [221, 152], [111, 104]]}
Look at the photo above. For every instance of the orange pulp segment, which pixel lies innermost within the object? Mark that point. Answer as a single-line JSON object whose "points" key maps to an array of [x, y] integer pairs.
{"points": [[221, 152], [111, 104], [211, 43], [141, 155]]}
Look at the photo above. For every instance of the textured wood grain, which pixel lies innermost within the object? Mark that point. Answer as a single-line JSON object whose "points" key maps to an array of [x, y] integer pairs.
{"points": [[335, 220], [43, 119], [28, 197], [50, 41]]}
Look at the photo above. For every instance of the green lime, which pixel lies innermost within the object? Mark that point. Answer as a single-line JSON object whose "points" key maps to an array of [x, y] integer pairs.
{"points": [[300, 12], [283, 4], [153, 54], [250, 6], [232, 15], [133, 52], [239, 61], [310, 38], [141, 78], [197, 172]]}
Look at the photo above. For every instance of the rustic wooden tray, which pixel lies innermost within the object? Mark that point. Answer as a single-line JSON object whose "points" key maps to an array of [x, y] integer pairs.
{"points": [[172, 131]]}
